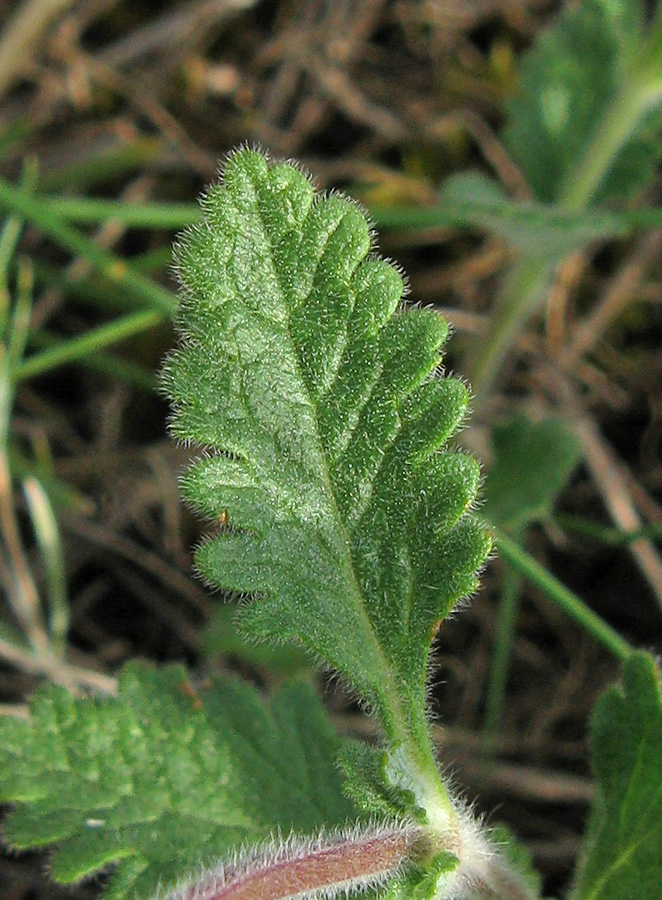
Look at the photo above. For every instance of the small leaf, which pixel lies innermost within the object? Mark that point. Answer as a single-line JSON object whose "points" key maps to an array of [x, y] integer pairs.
{"points": [[623, 853], [518, 856], [570, 82], [366, 783], [537, 230], [423, 883], [532, 464], [313, 394], [161, 778], [221, 636]]}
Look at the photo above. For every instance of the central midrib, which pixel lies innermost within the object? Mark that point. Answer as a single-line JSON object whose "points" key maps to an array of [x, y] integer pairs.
{"points": [[390, 699]]}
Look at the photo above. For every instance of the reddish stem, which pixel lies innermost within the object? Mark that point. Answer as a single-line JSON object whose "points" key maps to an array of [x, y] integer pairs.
{"points": [[324, 866]]}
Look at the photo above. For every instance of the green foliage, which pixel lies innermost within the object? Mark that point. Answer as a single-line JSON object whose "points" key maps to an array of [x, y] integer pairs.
{"points": [[536, 230], [623, 855], [342, 522], [367, 784], [221, 637], [162, 778], [583, 128], [424, 885], [570, 82], [519, 857], [313, 395], [532, 464]]}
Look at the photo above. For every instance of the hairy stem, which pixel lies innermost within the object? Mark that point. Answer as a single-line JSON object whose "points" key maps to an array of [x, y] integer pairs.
{"points": [[324, 866], [367, 856]]}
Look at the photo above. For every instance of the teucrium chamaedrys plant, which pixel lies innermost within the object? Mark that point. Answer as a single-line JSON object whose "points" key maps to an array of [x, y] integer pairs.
{"points": [[316, 394], [342, 519]]}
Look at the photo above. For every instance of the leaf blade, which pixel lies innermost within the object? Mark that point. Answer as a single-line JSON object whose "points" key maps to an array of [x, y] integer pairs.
{"points": [[313, 394], [573, 81], [161, 778], [533, 462], [623, 853]]}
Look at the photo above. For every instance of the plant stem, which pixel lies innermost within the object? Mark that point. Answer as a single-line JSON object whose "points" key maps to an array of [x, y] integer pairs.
{"points": [[606, 224], [118, 272], [411, 766], [524, 286], [21, 588], [120, 369], [330, 864], [22, 594], [144, 215], [112, 162], [86, 344], [527, 282], [347, 862], [604, 534], [615, 128], [47, 533], [61, 494], [501, 653], [565, 598]]}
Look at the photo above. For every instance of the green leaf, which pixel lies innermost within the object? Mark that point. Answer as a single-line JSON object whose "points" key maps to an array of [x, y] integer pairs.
{"points": [[518, 856], [314, 396], [571, 83], [532, 464], [221, 636], [423, 883], [162, 778], [366, 783], [537, 230], [623, 853]]}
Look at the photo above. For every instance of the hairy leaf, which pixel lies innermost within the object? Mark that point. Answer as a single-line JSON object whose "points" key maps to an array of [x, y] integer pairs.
{"points": [[366, 783], [422, 884], [162, 778], [570, 84], [313, 393], [623, 857]]}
